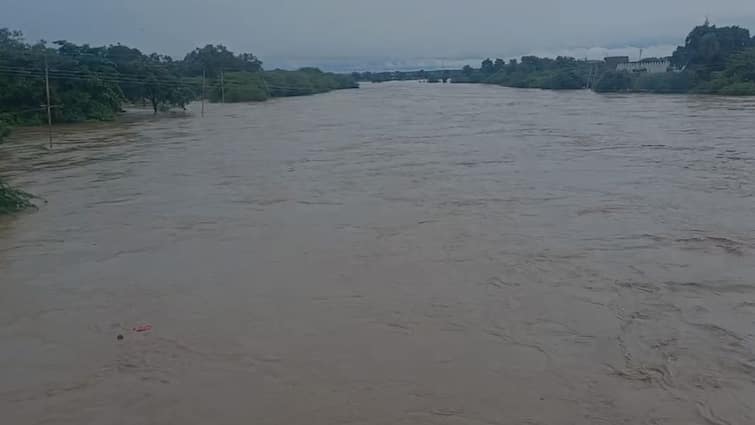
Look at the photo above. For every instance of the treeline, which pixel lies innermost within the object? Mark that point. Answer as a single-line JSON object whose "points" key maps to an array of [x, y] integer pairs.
{"points": [[561, 73], [95, 83], [258, 86], [529, 72], [434, 76], [713, 60]]}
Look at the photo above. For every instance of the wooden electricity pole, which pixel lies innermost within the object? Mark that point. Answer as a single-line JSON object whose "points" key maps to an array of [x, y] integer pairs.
{"points": [[222, 87], [204, 88], [49, 106]]}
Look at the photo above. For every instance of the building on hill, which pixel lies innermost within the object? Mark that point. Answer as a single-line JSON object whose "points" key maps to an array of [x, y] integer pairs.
{"points": [[613, 61], [651, 67]]}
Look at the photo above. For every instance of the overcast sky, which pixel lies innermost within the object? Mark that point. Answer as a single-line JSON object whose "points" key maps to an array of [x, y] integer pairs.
{"points": [[402, 32]]}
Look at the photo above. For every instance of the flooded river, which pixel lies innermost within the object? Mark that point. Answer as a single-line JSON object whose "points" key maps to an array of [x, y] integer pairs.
{"points": [[400, 254]]}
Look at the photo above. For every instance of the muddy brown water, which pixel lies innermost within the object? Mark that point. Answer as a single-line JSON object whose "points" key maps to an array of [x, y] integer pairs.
{"points": [[399, 254]]}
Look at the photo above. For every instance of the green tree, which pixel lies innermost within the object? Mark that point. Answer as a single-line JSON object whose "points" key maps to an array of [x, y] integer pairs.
{"points": [[614, 81], [707, 47], [214, 59], [741, 67], [85, 83], [13, 200], [162, 84], [739, 76], [487, 66]]}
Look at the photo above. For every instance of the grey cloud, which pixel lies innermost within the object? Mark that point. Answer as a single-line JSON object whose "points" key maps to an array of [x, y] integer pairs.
{"points": [[295, 31]]}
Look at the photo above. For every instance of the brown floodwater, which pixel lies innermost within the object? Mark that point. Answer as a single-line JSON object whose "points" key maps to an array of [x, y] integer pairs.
{"points": [[400, 254]]}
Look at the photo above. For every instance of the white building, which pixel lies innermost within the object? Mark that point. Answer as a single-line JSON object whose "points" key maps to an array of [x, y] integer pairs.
{"points": [[651, 67]]}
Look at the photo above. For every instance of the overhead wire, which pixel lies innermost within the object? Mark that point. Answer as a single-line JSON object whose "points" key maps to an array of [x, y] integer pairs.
{"points": [[123, 78], [106, 60]]}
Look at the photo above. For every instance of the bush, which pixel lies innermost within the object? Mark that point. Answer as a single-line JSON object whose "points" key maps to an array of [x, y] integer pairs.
{"points": [[241, 87], [670, 82], [710, 87], [613, 81], [4, 130], [744, 88], [555, 79], [306, 81], [259, 86], [565, 79], [13, 200]]}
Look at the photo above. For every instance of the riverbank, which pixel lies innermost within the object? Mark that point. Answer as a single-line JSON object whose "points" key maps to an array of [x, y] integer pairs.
{"points": [[713, 60], [256, 87], [95, 82]]}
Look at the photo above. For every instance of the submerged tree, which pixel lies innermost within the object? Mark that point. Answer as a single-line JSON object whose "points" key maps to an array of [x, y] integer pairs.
{"points": [[13, 200]]}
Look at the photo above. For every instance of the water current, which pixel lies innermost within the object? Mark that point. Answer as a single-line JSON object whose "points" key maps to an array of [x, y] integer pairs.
{"points": [[399, 254]]}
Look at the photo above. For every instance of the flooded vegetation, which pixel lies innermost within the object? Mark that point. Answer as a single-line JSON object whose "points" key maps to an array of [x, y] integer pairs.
{"points": [[13, 200], [404, 253]]}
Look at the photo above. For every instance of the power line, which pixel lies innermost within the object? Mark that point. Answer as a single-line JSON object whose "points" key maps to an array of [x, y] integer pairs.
{"points": [[123, 78]]}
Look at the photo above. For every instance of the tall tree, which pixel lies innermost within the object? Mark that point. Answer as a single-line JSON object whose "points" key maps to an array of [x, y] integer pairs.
{"points": [[163, 86], [707, 47], [214, 59], [487, 66]]}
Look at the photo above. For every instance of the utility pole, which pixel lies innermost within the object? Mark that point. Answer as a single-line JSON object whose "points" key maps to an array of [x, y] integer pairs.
{"points": [[204, 88], [222, 87], [49, 106]]}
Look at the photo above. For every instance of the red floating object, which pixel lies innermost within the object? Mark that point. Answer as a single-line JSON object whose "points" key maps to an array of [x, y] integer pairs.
{"points": [[143, 328]]}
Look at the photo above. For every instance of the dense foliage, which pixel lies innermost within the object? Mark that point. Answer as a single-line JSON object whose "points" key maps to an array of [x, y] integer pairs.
{"points": [[305, 81], [670, 82], [713, 60], [737, 77], [531, 72], [434, 76], [708, 48], [86, 83], [241, 87], [13, 200], [258, 86], [213, 60], [562, 73], [94, 83]]}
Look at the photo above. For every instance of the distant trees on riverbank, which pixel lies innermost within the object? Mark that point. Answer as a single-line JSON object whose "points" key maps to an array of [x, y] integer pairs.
{"points": [[532, 72], [94, 83], [258, 86], [714, 60]]}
